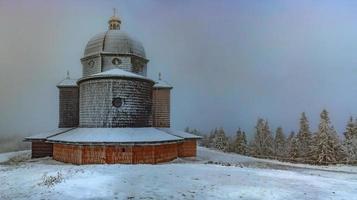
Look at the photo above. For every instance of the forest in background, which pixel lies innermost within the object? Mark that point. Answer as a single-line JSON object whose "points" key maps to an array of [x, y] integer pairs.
{"points": [[322, 147]]}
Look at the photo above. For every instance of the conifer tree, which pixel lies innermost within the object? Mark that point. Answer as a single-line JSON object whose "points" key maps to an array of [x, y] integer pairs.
{"points": [[220, 140], [268, 147], [240, 143], [244, 149], [257, 142], [327, 148], [293, 149], [262, 143], [279, 142], [304, 137], [350, 142], [350, 129], [291, 136], [288, 144]]}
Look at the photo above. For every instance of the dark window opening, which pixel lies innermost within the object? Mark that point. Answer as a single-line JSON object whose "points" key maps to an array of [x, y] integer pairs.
{"points": [[117, 102], [91, 63], [116, 61]]}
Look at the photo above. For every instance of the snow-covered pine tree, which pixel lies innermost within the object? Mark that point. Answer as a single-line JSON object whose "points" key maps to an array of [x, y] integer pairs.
{"points": [[293, 149], [304, 138], [288, 143], [262, 143], [350, 142], [240, 143], [231, 144], [220, 140], [268, 147], [257, 142], [350, 129], [244, 143], [289, 138], [327, 148], [279, 142]]}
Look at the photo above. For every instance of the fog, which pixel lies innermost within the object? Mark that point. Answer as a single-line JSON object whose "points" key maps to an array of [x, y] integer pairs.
{"points": [[230, 62]]}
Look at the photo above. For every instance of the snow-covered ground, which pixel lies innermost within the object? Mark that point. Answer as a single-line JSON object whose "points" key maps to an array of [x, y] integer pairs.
{"points": [[245, 178]]}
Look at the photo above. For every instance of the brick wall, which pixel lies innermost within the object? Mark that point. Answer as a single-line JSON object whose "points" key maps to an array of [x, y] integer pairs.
{"points": [[161, 108], [187, 148], [68, 107]]}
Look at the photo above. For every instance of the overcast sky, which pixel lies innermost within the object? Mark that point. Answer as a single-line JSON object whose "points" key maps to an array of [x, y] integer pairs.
{"points": [[230, 62]]}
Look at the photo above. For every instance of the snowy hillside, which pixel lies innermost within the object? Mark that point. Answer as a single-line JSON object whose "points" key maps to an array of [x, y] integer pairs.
{"points": [[214, 175]]}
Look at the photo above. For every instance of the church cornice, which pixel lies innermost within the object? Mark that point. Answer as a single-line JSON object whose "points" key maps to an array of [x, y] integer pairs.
{"points": [[95, 55]]}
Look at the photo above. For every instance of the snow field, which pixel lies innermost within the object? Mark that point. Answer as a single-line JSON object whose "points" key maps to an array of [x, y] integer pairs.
{"points": [[179, 180]]}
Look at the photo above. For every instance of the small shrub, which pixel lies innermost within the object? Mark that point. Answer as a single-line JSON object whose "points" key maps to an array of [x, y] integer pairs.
{"points": [[50, 181]]}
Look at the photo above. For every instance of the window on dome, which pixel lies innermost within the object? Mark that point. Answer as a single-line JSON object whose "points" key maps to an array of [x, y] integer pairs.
{"points": [[116, 61], [91, 63], [117, 102]]}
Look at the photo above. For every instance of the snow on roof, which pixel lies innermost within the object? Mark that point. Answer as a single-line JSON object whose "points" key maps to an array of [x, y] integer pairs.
{"points": [[116, 73], [45, 135], [114, 135], [162, 84], [180, 134], [114, 41], [68, 83]]}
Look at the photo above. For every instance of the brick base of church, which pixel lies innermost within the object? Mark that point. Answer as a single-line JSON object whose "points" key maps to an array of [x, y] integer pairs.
{"points": [[123, 154]]}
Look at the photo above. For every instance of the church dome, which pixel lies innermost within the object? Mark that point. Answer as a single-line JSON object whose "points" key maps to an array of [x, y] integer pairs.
{"points": [[114, 42]]}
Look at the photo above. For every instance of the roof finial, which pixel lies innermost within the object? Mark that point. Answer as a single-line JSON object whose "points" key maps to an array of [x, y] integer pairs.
{"points": [[159, 76], [114, 21], [68, 75], [114, 12]]}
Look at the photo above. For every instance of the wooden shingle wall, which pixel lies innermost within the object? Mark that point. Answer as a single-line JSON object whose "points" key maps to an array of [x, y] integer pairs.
{"points": [[111, 154], [68, 107], [187, 148], [161, 108], [41, 149]]}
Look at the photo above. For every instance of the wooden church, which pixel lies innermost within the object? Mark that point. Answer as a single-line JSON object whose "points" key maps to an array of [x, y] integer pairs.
{"points": [[114, 113]]}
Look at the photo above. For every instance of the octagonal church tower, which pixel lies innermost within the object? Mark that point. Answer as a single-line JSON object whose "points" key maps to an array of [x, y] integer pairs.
{"points": [[114, 113]]}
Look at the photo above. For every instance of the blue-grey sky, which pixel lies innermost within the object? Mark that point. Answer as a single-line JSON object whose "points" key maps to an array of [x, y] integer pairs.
{"points": [[229, 61]]}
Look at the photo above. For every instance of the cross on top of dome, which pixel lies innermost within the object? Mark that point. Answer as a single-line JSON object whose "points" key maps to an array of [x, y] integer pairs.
{"points": [[114, 21]]}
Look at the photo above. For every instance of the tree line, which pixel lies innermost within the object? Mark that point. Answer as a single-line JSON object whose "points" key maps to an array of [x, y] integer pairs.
{"points": [[321, 147]]}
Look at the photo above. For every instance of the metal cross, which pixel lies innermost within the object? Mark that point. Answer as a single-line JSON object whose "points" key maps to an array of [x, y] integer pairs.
{"points": [[114, 12]]}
